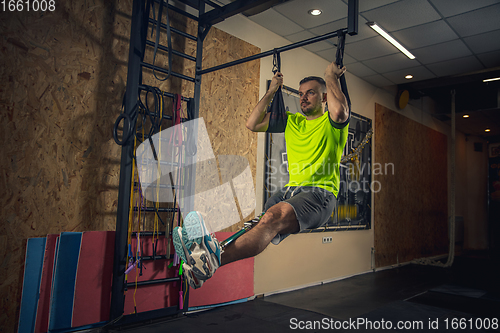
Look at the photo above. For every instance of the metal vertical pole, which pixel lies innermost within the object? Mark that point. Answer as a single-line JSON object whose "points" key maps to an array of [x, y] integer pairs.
{"points": [[194, 111], [136, 54], [202, 33], [352, 17]]}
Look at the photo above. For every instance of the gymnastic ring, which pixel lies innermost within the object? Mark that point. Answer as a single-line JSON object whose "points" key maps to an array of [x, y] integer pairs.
{"points": [[127, 129]]}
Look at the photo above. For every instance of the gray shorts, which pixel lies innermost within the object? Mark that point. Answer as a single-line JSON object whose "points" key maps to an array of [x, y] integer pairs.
{"points": [[313, 206]]}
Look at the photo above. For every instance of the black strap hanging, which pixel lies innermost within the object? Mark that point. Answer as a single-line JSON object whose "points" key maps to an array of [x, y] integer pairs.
{"points": [[157, 41], [277, 109], [340, 62], [276, 61]]}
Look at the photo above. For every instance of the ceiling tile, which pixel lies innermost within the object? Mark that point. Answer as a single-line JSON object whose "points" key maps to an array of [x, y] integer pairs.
{"points": [[331, 55], [426, 34], [419, 73], [456, 66], [486, 42], [490, 59], [365, 5], [454, 7], [378, 81], [364, 31], [476, 22], [329, 27], [441, 52], [299, 36], [390, 63], [370, 48], [297, 11], [348, 59], [360, 70], [303, 35], [319, 46], [277, 23], [403, 14]]}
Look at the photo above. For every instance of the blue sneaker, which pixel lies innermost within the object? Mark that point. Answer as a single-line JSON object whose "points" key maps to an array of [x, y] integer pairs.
{"points": [[198, 249]]}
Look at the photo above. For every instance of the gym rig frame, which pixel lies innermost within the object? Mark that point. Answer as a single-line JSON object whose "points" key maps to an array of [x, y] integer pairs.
{"points": [[138, 42]]}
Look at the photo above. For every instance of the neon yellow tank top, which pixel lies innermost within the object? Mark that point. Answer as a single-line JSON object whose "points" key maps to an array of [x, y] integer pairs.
{"points": [[314, 148]]}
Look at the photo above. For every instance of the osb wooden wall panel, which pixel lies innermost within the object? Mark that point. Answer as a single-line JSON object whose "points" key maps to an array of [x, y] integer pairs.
{"points": [[411, 208], [63, 77], [228, 98]]}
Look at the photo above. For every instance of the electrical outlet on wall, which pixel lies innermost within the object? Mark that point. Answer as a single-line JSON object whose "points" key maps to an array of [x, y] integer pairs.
{"points": [[327, 240]]}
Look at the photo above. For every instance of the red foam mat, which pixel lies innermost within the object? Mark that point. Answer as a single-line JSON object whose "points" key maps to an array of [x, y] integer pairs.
{"points": [[94, 278], [42, 316]]}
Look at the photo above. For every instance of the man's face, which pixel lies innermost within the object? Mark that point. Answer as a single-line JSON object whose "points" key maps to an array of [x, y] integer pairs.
{"points": [[311, 97]]}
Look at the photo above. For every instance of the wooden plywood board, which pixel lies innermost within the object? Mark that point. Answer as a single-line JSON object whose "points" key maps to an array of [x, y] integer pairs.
{"points": [[411, 208], [63, 77]]}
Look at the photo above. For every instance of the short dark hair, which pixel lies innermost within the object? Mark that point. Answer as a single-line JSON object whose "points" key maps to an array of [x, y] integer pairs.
{"points": [[314, 78]]}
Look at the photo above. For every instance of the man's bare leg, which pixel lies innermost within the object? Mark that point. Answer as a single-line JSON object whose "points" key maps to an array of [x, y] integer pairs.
{"points": [[280, 218]]}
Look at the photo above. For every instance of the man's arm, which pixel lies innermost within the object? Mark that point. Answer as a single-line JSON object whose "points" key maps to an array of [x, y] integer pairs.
{"points": [[337, 103], [258, 121]]}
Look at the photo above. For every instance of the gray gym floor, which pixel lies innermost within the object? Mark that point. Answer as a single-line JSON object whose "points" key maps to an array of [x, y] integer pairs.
{"points": [[466, 294]]}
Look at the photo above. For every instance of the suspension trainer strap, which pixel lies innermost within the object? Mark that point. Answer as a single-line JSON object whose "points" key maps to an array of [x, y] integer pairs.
{"points": [[278, 117], [157, 41], [276, 61], [340, 62]]}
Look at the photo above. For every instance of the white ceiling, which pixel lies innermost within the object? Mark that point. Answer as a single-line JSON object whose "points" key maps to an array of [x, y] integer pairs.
{"points": [[456, 44], [448, 37]]}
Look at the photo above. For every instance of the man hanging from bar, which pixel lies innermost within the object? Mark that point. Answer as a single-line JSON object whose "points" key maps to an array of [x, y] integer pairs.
{"points": [[315, 141]]}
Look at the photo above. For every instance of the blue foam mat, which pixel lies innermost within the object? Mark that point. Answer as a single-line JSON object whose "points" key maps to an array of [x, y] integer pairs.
{"points": [[63, 287], [35, 250]]}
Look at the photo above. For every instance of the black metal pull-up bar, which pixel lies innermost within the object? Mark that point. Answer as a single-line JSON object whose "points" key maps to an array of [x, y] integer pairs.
{"points": [[141, 19], [352, 29], [271, 52]]}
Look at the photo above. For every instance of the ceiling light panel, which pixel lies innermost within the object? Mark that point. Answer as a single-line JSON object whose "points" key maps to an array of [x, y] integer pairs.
{"points": [[492, 79], [390, 39], [297, 11], [314, 12]]}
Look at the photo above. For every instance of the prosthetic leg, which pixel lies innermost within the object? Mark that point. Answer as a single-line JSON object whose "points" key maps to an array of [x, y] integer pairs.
{"points": [[247, 226]]}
